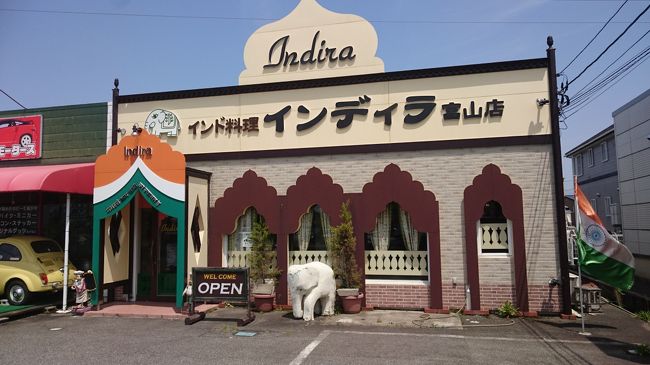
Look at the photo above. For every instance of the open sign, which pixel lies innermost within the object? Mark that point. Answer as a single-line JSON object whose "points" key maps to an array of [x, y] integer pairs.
{"points": [[214, 284]]}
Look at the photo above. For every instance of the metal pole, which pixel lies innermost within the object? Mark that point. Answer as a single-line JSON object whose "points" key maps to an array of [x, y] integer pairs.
{"points": [[577, 213], [65, 253]]}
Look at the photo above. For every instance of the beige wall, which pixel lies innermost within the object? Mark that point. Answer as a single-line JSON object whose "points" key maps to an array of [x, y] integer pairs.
{"points": [[116, 267], [517, 89], [446, 173], [197, 195]]}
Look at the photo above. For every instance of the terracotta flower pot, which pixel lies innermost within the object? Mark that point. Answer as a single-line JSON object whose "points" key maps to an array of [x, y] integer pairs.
{"points": [[264, 302], [351, 304]]}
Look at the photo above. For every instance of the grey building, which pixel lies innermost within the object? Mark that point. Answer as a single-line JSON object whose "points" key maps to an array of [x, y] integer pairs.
{"points": [[594, 163], [632, 129]]}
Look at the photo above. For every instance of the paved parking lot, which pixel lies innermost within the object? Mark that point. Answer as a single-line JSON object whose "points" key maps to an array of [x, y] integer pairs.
{"points": [[279, 339]]}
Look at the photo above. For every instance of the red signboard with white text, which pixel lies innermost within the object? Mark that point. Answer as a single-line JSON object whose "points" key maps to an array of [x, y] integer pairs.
{"points": [[21, 137]]}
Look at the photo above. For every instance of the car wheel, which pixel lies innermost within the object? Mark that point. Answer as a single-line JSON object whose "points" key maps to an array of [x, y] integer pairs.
{"points": [[17, 292], [25, 139]]}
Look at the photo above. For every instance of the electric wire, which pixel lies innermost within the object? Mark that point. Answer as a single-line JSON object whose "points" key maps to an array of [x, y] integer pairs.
{"points": [[592, 39], [210, 17], [14, 100], [621, 78], [611, 64], [611, 44], [583, 97]]}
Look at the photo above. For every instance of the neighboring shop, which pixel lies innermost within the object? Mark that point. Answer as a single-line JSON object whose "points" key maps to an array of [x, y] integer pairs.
{"points": [[452, 174], [47, 156]]}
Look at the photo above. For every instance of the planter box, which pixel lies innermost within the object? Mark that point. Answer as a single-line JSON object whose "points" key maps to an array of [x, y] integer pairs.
{"points": [[347, 292]]}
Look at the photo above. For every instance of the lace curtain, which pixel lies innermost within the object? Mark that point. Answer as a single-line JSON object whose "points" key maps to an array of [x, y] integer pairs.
{"points": [[409, 234], [326, 228], [304, 233], [380, 236]]}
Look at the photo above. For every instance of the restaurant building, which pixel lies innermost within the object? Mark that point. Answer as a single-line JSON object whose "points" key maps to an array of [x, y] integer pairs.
{"points": [[452, 174]]}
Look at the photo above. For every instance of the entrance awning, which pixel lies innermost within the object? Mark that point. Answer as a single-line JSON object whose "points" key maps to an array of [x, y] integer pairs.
{"points": [[72, 178]]}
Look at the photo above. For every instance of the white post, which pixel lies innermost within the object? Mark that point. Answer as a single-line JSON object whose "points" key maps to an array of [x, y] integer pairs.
{"points": [[578, 225], [65, 253]]}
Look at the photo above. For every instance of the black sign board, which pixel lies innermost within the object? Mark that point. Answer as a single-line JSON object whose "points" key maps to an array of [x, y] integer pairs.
{"points": [[216, 284]]}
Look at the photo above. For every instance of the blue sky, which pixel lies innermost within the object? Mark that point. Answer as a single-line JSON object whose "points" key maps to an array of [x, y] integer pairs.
{"points": [[69, 51]]}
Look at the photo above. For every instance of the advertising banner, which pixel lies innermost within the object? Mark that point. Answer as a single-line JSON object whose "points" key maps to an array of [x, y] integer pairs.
{"points": [[21, 137]]}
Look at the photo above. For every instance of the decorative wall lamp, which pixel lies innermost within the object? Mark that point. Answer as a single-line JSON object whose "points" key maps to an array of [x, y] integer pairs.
{"points": [[136, 130], [121, 131]]}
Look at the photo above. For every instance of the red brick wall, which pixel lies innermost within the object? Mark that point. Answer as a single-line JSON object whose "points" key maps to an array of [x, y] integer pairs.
{"points": [[398, 296]]}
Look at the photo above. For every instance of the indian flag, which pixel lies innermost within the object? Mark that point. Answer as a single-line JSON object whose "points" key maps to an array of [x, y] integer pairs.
{"points": [[600, 255]]}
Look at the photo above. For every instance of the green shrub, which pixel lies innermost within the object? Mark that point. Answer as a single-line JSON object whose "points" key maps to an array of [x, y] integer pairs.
{"points": [[507, 310], [343, 249], [644, 315], [261, 257]]}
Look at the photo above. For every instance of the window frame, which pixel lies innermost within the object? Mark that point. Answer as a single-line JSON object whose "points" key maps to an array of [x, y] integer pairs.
{"points": [[608, 205], [479, 241], [594, 204], [590, 157], [604, 151], [578, 168]]}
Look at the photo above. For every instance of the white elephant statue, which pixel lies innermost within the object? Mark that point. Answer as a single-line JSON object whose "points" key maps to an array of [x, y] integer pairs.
{"points": [[162, 121], [308, 283]]}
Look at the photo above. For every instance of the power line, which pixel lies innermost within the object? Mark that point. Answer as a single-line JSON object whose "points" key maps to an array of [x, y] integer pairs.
{"points": [[592, 39], [209, 17], [637, 65], [15, 101], [612, 63], [578, 97], [611, 44]]}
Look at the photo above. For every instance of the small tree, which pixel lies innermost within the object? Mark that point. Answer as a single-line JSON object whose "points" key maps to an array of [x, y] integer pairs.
{"points": [[261, 261], [343, 249]]}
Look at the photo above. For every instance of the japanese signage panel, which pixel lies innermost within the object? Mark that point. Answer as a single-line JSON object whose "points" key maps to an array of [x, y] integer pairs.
{"points": [[220, 284], [21, 137], [18, 220], [497, 104]]}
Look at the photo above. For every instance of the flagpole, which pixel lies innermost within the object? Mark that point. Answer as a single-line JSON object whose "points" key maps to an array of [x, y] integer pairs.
{"points": [[577, 213]]}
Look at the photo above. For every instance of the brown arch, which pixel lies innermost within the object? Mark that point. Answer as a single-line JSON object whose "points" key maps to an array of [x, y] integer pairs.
{"points": [[395, 185], [249, 190], [310, 189], [491, 184]]}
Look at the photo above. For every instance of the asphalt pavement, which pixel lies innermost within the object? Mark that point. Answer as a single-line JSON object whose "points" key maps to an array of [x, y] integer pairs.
{"points": [[377, 337]]}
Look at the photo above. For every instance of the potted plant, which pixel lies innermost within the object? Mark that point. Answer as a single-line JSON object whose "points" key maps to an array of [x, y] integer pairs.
{"points": [[342, 252], [263, 271]]}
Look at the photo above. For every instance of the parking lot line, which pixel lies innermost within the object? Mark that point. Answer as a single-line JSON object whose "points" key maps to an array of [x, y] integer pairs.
{"points": [[309, 348]]}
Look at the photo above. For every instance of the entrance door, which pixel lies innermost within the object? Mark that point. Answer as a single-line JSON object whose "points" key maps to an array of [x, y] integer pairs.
{"points": [[158, 253]]}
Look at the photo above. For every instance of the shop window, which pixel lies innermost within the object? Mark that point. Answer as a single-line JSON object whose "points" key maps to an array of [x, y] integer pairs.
{"points": [[314, 232], [494, 230], [196, 229], [9, 252], [394, 231], [114, 232]]}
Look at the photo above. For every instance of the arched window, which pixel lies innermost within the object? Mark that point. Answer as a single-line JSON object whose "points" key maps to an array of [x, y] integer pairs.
{"points": [[394, 231], [238, 241], [314, 232], [494, 230]]}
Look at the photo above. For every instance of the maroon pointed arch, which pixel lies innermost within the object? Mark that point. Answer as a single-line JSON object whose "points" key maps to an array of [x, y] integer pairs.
{"points": [[395, 185], [249, 190], [310, 189], [491, 184]]}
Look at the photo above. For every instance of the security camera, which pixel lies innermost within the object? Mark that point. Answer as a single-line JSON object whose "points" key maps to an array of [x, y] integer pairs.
{"points": [[541, 102], [553, 282]]}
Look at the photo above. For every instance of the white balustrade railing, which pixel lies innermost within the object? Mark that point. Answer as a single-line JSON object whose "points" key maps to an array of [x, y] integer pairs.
{"points": [[494, 237], [406, 263], [399, 263], [303, 257], [240, 259]]}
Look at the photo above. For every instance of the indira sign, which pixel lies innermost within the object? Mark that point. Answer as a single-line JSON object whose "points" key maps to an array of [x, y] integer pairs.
{"points": [[280, 56]]}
